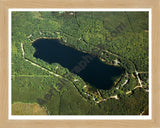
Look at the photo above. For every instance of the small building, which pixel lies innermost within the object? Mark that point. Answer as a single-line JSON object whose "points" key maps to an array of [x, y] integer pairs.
{"points": [[71, 13], [116, 61], [75, 80], [127, 75], [56, 67]]}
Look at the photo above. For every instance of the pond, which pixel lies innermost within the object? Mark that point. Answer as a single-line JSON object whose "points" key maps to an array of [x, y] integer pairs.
{"points": [[90, 68]]}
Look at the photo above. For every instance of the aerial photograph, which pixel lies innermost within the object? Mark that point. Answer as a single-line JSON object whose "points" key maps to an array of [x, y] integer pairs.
{"points": [[80, 63]]}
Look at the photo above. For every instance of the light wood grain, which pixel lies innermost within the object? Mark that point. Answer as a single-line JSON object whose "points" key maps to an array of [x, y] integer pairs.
{"points": [[6, 4]]}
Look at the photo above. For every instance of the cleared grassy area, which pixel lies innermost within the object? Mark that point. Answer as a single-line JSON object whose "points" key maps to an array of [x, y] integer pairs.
{"points": [[20, 108]]}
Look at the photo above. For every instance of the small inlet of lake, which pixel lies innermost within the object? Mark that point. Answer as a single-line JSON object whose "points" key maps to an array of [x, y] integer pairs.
{"points": [[90, 68]]}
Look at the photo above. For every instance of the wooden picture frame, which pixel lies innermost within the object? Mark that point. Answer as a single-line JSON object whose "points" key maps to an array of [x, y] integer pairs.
{"points": [[4, 61]]}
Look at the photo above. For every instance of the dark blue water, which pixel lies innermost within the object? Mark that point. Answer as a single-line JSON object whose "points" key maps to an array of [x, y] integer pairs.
{"points": [[91, 69]]}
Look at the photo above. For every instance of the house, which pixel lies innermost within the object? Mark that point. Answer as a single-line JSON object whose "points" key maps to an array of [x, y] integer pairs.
{"points": [[116, 62]]}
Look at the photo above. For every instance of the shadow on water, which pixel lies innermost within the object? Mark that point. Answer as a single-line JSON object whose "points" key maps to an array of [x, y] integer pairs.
{"points": [[91, 69]]}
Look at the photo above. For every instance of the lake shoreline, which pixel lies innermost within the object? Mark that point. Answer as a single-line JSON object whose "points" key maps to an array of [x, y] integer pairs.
{"points": [[65, 53]]}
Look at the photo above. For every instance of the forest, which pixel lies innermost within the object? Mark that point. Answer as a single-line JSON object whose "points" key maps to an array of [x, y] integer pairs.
{"points": [[121, 36]]}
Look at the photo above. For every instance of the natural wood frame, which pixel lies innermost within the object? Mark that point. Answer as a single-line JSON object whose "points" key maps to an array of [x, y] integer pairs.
{"points": [[4, 33]]}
